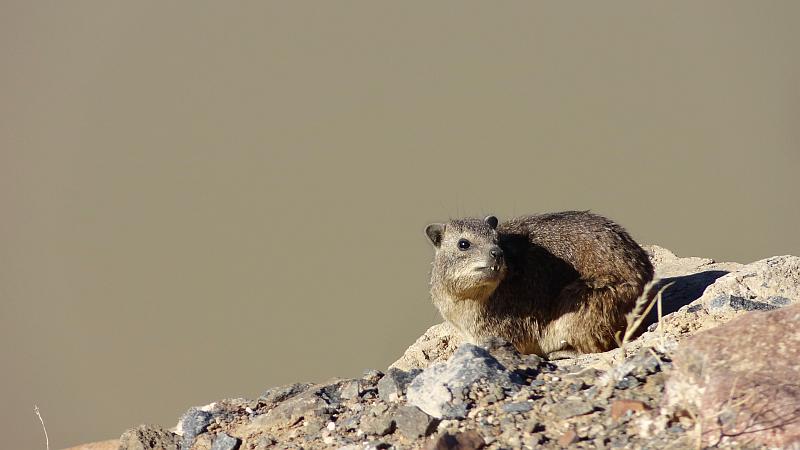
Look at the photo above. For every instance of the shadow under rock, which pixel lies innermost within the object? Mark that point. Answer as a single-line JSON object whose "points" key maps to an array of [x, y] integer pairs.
{"points": [[684, 290]]}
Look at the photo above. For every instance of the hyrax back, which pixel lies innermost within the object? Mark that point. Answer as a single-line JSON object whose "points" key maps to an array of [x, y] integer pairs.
{"points": [[551, 284]]}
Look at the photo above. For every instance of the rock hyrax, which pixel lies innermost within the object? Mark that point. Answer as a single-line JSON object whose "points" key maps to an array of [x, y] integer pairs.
{"points": [[552, 284]]}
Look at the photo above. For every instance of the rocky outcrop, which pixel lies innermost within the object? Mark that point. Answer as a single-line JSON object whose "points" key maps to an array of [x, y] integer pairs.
{"points": [[702, 293], [719, 368], [742, 379]]}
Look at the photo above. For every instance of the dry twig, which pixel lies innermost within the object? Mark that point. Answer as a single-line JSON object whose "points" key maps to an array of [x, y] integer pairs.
{"points": [[39, 415], [640, 310]]}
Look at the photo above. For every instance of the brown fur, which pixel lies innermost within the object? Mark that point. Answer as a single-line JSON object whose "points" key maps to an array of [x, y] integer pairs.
{"points": [[562, 285]]}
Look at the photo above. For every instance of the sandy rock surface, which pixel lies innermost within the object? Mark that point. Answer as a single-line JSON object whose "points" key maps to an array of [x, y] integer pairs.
{"points": [[720, 368]]}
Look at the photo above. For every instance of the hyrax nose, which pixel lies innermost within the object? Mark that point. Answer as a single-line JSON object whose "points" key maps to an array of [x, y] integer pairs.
{"points": [[497, 252]]}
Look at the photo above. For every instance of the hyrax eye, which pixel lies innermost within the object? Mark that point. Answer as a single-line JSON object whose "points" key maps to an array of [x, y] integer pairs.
{"points": [[463, 244]]}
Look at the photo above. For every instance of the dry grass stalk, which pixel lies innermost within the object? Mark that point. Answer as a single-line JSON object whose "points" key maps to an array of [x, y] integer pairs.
{"points": [[637, 315], [39, 415]]}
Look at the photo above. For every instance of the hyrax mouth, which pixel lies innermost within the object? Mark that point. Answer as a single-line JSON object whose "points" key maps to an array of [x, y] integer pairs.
{"points": [[495, 268]]}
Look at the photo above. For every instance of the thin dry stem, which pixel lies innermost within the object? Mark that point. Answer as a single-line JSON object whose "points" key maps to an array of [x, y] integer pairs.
{"points": [[660, 327], [39, 415], [640, 310]]}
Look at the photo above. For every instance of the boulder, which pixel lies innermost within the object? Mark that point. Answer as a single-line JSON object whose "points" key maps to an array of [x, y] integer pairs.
{"points": [[741, 379], [442, 389], [393, 385]]}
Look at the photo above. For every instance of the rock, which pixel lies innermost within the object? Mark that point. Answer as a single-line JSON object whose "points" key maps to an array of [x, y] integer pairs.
{"points": [[203, 442], [571, 408], [377, 425], [506, 354], [441, 390], [667, 264], [568, 438], [687, 277], [436, 344], [741, 377], [350, 390], [281, 393], [393, 385], [760, 286], [621, 407], [518, 407], [149, 437], [627, 383], [194, 422], [286, 414], [331, 391], [372, 376], [225, 442], [264, 443], [413, 423], [737, 303], [467, 440], [531, 426], [347, 424], [774, 281]]}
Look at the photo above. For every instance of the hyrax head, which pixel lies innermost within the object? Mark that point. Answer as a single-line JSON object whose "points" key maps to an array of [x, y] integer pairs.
{"points": [[468, 262]]}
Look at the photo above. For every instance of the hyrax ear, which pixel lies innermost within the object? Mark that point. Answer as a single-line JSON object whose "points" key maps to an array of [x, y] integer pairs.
{"points": [[491, 221], [435, 232]]}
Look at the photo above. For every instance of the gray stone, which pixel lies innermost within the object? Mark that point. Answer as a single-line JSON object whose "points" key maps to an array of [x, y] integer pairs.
{"points": [[393, 385], [518, 407], [413, 423], [738, 303], [531, 426], [442, 389], [316, 423], [507, 354], [350, 390], [627, 382], [194, 422], [571, 408], [379, 408], [225, 442], [281, 393], [265, 442], [774, 281], [287, 413], [148, 437], [347, 424], [377, 425], [331, 391]]}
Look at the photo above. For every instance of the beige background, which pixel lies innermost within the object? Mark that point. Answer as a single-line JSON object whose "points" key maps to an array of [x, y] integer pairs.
{"points": [[204, 200]]}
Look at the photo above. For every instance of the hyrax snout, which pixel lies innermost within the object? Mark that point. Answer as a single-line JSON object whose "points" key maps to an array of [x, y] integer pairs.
{"points": [[552, 284]]}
